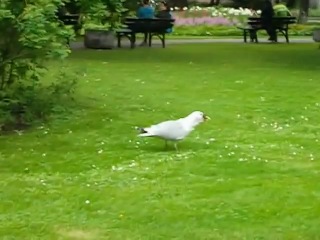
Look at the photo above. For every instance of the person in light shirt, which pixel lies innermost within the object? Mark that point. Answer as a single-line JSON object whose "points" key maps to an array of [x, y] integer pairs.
{"points": [[281, 10], [145, 11]]}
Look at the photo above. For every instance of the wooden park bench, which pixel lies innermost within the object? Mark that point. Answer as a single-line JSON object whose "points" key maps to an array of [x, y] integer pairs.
{"points": [[254, 24], [151, 26]]}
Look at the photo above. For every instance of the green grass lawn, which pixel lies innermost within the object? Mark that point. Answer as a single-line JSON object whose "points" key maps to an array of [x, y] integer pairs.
{"points": [[252, 172]]}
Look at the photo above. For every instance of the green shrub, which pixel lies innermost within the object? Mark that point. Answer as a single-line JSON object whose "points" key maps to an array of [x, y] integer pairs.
{"points": [[30, 36], [102, 14]]}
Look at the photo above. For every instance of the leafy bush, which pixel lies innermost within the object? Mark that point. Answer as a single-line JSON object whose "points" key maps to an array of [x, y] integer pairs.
{"points": [[31, 35], [102, 14]]}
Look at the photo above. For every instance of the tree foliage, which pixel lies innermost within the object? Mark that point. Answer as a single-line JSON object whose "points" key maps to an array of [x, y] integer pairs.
{"points": [[31, 35], [107, 13], [104, 14]]}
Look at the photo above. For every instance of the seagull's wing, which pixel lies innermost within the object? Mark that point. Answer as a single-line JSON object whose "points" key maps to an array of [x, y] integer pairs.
{"points": [[170, 130]]}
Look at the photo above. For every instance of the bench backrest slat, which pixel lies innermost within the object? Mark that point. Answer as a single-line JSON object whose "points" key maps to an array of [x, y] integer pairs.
{"points": [[149, 24]]}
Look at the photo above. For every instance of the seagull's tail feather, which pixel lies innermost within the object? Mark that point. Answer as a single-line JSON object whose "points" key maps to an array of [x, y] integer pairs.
{"points": [[145, 132]]}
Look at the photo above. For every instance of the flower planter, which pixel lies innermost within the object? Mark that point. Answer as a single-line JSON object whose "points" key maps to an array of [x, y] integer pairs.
{"points": [[99, 39], [316, 35]]}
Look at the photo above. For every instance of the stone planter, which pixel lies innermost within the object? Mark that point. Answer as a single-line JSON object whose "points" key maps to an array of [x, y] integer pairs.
{"points": [[99, 39], [316, 35]]}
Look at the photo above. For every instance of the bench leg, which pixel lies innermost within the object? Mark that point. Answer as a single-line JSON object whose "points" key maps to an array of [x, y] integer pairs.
{"points": [[163, 40], [119, 40], [150, 39], [245, 36], [253, 36], [286, 36], [132, 40], [276, 37]]}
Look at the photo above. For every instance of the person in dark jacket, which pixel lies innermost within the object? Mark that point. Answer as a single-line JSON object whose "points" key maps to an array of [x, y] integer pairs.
{"points": [[164, 12], [267, 14]]}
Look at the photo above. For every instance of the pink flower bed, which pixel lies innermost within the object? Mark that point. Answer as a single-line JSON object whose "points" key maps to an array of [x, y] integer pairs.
{"points": [[192, 21]]}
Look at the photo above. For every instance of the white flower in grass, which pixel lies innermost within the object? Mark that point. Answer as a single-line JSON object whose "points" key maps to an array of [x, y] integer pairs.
{"points": [[311, 157], [87, 202], [133, 164]]}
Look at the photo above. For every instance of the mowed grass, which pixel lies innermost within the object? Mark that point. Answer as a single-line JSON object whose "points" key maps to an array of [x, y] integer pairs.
{"points": [[252, 172]]}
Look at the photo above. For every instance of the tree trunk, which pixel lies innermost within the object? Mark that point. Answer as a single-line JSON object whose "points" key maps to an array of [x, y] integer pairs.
{"points": [[291, 3], [179, 3], [304, 11], [214, 2]]}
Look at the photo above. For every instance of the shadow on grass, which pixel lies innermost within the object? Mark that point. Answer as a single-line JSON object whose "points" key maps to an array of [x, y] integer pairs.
{"points": [[183, 146]]}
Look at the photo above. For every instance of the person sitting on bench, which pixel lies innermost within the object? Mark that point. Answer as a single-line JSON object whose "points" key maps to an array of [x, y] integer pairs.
{"points": [[145, 11], [164, 12], [281, 10], [267, 14]]}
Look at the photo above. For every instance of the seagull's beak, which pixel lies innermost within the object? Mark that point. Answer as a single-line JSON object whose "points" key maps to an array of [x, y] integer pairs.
{"points": [[206, 117]]}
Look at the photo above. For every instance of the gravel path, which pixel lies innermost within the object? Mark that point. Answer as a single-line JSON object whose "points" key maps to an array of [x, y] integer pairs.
{"points": [[157, 43]]}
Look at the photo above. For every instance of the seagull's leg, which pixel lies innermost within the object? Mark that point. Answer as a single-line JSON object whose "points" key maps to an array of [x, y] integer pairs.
{"points": [[176, 146], [165, 144]]}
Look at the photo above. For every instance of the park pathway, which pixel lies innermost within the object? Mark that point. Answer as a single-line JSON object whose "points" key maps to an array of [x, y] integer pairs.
{"points": [[157, 43]]}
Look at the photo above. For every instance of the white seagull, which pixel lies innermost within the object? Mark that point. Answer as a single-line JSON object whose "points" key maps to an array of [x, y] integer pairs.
{"points": [[174, 130]]}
